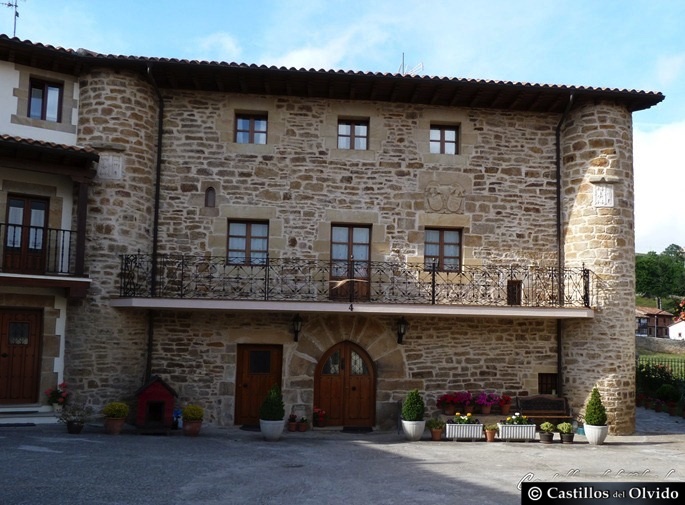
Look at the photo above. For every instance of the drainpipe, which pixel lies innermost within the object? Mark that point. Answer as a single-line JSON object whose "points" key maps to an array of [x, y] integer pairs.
{"points": [[155, 226], [560, 246]]}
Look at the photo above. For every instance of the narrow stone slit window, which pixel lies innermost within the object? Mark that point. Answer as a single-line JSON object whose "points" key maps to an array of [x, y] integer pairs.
{"points": [[210, 197]]}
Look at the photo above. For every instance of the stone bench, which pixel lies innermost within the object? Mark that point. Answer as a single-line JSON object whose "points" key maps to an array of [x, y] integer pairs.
{"points": [[541, 408]]}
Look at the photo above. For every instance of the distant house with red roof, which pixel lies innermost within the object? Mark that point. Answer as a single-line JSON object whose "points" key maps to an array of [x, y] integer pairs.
{"points": [[652, 322]]}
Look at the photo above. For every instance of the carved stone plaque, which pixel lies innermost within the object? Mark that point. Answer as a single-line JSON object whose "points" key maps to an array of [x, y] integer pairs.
{"points": [[111, 166], [603, 195]]}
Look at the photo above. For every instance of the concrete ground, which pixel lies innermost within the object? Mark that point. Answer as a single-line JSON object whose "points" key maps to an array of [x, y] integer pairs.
{"points": [[44, 465]]}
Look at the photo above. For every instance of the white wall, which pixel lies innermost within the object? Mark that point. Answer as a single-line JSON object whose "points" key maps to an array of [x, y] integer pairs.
{"points": [[677, 331]]}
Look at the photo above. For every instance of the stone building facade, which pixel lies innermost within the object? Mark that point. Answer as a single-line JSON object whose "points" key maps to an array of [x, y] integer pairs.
{"points": [[223, 266]]}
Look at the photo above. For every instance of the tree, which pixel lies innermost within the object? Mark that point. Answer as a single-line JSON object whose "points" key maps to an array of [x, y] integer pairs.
{"points": [[661, 275]]}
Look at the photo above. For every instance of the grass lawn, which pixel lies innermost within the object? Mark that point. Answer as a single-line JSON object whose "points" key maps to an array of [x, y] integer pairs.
{"points": [[661, 355]]}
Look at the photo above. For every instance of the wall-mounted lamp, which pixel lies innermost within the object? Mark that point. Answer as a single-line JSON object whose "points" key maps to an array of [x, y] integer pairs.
{"points": [[296, 326], [402, 326]]}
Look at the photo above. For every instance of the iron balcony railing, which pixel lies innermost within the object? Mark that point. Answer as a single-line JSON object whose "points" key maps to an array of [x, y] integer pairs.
{"points": [[283, 279], [37, 250]]}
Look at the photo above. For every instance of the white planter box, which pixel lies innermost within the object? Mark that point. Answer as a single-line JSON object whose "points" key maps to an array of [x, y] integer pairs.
{"points": [[464, 431], [516, 431]]}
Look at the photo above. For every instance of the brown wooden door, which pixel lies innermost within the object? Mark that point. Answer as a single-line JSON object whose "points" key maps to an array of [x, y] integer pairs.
{"points": [[345, 386], [25, 235], [20, 347], [259, 368], [350, 262]]}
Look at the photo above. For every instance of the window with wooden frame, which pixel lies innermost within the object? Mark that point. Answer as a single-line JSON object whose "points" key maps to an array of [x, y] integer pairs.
{"points": [[548, 383], [248, 242], [251, 128], [353, 134], [45, 100], [442, 249], [444, 139]]}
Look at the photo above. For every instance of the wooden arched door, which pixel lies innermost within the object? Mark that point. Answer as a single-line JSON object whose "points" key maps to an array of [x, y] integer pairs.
{"points": [[345, 386]]}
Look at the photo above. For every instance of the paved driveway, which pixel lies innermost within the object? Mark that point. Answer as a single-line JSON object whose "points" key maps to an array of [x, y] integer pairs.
{"points": [[45, 465]]}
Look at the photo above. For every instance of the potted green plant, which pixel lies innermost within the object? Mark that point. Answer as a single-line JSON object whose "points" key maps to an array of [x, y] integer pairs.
{"points": [[670, 395], [192, 415], [547, 432], [596, 429], [413, 410], [115, 417], [490, 431], [435, 425], [566, 432], [75, 417], [272, 414]]}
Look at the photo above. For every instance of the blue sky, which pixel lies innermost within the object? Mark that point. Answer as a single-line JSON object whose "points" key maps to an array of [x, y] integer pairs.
{"points": [[628, 44]]}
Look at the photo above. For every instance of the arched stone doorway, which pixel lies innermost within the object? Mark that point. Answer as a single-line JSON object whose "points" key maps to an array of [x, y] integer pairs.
{"points": [[345, 386]]}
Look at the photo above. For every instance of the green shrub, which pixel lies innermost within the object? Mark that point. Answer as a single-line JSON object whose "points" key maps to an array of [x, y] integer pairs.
{"points": [[115, 410], [273, 408], [193, 413], [651, 376], [547, 427], [435, 423], [413, 407], [565, 428], [595, 413], [667, 393]]}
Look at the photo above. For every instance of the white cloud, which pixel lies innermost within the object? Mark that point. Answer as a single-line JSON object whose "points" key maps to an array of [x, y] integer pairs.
{"points": [[669, 68], [659, 167], [218, 46]]}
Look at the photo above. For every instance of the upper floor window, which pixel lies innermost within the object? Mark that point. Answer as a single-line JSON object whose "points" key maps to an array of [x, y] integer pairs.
{"points": [[45, 100], [353, 134], [444, 139], [443, 249], [250, 129], [248, 243]]}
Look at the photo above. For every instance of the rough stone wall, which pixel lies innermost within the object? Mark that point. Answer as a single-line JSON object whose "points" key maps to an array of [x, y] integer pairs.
{"points": [[599, 233], [506, 170], [196, 352], [664, 345], [105, 347]]}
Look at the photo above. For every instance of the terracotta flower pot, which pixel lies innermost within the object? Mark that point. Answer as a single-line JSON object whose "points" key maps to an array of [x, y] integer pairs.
{"points": [[436, 434], [292, 426], [191, 428], [485, 409], [505, 408], [490, 435], [113, 426]]}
